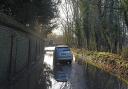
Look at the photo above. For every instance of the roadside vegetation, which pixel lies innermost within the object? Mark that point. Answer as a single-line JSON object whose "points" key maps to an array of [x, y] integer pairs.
{"points": [[112, 63], [97, 25], [101, 27]]}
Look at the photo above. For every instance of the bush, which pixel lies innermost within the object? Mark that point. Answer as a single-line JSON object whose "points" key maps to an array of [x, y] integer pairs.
{"points": [[125, 53], [77, 57]]}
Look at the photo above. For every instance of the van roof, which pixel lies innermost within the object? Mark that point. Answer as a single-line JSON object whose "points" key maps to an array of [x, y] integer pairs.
{"points": [[61, 46]]}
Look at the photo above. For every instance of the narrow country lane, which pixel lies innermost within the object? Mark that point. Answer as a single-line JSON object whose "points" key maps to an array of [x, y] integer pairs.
{"points": [[73, 73]]}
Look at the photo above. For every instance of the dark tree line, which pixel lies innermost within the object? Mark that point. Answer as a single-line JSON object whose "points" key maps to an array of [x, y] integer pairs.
{"points": [[125, 10], [100, 25], [30, 11]]}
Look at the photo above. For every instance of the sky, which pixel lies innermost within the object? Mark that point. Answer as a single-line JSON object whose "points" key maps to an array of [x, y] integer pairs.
{"points": [[61, 19], [58, 30]]}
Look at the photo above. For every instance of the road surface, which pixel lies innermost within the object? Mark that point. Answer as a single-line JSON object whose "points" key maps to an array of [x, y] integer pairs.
{"points": [[71, 75]]}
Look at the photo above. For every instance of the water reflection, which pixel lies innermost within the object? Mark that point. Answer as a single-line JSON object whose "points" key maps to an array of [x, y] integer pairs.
{"points": [[59, 74], [45, 81], [62, 72], [42, 76], [99, 79], [64, 76]]}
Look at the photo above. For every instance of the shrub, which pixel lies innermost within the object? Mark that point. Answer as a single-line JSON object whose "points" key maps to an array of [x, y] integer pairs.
{"points": [[125, 53]]}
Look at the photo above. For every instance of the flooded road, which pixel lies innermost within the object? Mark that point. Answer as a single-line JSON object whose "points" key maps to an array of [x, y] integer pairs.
{"points": [[75, 76], [65, 76], [45, 75]]}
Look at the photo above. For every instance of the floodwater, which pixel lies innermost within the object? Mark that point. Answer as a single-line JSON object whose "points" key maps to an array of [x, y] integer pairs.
{"points": [[45, 75], [64, 76], [75, 76]]}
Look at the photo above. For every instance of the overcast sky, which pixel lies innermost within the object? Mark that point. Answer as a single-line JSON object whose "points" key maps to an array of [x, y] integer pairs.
{"points": [[62, 17]]}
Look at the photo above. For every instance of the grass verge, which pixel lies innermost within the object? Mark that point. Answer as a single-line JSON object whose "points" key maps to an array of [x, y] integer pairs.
{"points": [[109, 62]]}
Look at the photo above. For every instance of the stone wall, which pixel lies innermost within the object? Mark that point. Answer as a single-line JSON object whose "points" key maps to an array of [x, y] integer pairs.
{"points": [[20, 51]]}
